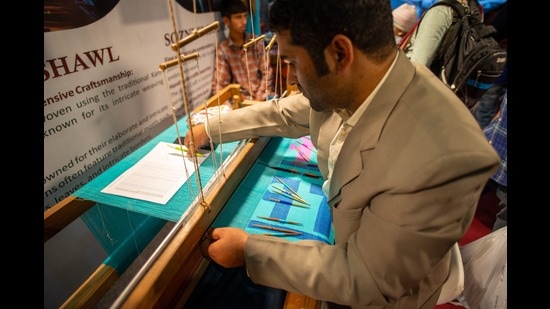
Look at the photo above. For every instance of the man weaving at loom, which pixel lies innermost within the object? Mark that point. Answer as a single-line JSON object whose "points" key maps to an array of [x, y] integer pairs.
{"points": [[402, 159]]}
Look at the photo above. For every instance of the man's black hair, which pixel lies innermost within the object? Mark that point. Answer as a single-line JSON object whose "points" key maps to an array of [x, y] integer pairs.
{"points": [[313, 24], [230, 7]]}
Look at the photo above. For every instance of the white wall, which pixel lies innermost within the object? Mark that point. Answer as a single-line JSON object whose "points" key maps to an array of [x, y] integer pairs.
{"points": [[104, 95]]}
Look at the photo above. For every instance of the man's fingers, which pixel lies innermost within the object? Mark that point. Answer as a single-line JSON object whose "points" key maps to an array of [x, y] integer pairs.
{"points": [[215, 233], [205, 243], [208, 233], [188, 143]]}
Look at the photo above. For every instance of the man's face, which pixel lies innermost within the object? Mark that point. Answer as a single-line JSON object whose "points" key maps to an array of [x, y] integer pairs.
{"points": [[237, 22], [320, 90]]}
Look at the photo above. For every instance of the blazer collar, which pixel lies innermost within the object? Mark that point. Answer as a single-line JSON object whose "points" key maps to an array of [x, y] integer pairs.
{"points": [[366, 132]]}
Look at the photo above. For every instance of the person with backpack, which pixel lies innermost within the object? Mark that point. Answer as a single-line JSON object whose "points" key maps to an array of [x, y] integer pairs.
{"points": [[426, 38], [452, 40]]}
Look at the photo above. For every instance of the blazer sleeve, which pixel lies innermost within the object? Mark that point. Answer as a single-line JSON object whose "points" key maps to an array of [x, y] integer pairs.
{"points": [[287, 117]]}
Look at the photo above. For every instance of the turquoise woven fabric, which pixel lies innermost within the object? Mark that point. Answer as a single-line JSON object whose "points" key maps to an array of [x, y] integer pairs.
{"points": [[179, 203], [252, 198]]}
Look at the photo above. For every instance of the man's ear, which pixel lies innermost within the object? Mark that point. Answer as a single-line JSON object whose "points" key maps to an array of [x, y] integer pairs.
{"points": [[226, 20], [340, 50]]}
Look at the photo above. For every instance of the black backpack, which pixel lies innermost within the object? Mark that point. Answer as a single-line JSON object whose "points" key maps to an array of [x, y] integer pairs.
{"points": [[469, 59]]}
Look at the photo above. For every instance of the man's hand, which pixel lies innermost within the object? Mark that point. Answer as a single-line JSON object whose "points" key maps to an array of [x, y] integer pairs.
{"points": [[197, 140], [225, 246]]}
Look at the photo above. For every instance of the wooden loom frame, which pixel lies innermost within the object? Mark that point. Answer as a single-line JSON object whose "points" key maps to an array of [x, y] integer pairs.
{"points": [[170, 280]]}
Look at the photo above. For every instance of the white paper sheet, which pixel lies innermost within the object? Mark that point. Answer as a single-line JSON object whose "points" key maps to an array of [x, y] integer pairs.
{"points": [[157, 176]]}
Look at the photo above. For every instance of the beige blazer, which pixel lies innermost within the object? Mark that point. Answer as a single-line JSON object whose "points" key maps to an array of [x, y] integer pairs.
{"points": [[403, 191]]}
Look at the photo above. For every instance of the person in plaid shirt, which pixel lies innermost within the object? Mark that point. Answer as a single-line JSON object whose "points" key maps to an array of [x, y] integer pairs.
{"points": [[235, 65], [497, 134]]}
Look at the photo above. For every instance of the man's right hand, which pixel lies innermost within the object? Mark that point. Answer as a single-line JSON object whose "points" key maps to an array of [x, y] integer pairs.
{"points": [[197, 139]]}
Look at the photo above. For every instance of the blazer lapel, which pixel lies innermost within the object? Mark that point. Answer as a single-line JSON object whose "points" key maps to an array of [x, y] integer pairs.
{"points": [[365, 134]]}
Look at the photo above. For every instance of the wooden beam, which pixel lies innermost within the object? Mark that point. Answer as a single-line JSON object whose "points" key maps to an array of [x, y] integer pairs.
{"points": [[63, 213], [228, 92], [91, 291], [173, 274], [297, 301]]}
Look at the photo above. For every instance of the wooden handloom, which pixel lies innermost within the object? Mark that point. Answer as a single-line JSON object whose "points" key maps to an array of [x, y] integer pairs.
{"points": [[170, 278]]}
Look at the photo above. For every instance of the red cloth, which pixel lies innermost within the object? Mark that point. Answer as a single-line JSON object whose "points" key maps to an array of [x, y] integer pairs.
{"points": [[486, 213]]}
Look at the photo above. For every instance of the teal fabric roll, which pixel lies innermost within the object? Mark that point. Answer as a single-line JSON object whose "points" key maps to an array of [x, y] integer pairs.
{"points": [[179, 203]]}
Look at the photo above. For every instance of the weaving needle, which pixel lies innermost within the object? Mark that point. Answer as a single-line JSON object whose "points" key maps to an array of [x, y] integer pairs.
{"points": [[288, 194], [287, 203], [292, 190], [280, 220], [299, 142], [304, 164], [273, 228], [302, 154], [280, 234], [184, 149], [288, 170], [293, 171], [285, 194]]}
